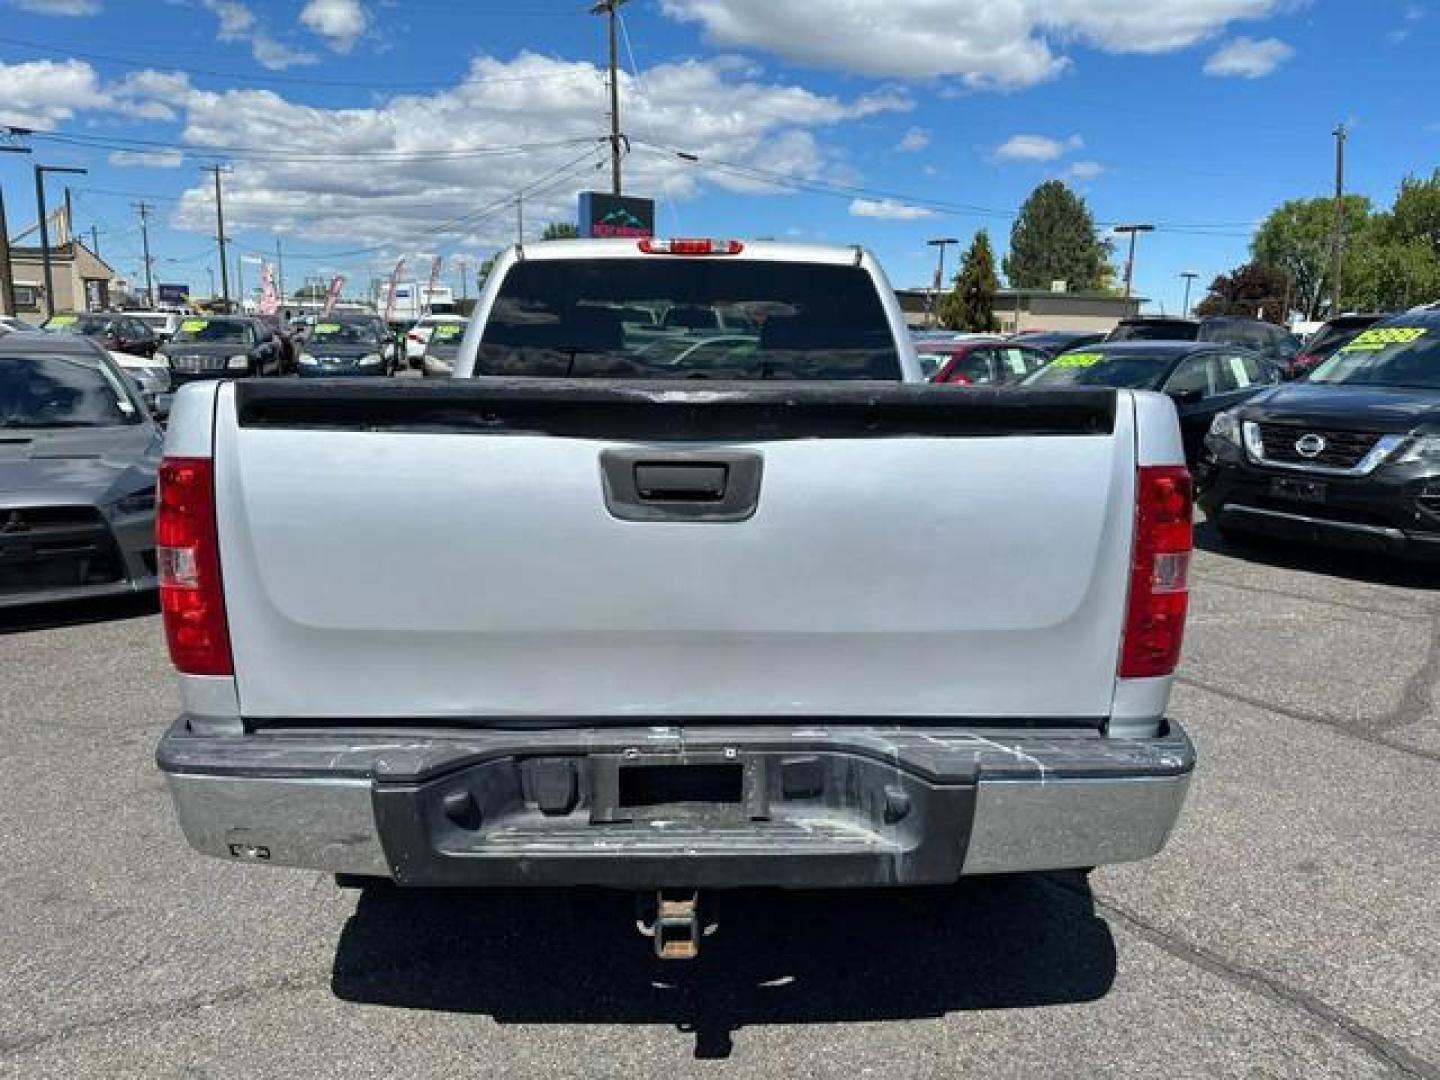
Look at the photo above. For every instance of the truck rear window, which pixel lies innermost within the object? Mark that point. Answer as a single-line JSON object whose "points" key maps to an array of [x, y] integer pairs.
{"points": [[670, 318]]}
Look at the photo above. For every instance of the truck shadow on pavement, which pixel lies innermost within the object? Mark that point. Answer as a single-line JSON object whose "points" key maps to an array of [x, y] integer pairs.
{"points": [[19, 620], [574, 957]]}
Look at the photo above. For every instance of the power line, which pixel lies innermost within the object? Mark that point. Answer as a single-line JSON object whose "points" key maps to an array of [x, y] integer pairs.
{"points": [[294, 154], [136, 64]]}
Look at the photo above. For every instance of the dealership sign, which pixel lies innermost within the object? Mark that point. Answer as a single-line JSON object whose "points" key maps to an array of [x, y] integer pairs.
{"points": [[610, 216], [172, 294]]}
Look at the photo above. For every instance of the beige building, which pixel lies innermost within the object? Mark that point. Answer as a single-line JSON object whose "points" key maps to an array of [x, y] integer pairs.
{"points": [[1037, 309], [83, 281]]}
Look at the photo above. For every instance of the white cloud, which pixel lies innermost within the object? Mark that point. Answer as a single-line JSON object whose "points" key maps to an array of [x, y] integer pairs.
{"points": [[987, 44], [888, 210], [149, 159], [1036, 148], [1246, 58], [38, 94], [915, 140], [72, 8], [339, 22], [239, 23], [403, 174], [1085, 170]]}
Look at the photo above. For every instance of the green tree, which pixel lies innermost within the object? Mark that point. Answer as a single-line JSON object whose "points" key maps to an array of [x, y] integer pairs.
{"points": [[560, 230], [970, 305], [1255, 291], [1416, 213], [1298, 238], [1054, 239]]}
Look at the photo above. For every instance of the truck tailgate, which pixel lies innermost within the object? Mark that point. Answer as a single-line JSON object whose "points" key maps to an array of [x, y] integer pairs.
{"points": [[458, 552]]}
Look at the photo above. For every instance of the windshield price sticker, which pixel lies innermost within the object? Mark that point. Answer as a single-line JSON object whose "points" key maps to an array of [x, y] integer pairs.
{"points": [[447, 331], [193, 326], [1078, 359], [328, 328], [1385, 338], [63, 320]]}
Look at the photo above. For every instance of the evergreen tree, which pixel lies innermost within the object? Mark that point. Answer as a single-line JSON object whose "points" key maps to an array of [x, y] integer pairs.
{"points": [[970, 305]]}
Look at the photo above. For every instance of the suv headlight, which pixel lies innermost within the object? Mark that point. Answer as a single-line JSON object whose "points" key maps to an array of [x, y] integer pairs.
{"points": [[308, 360], [1226, 426], [238, 363], [372, 360], [1421, 450]]}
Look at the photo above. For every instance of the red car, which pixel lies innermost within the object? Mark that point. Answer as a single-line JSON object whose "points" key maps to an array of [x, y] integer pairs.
{"points": [[979, 361]]}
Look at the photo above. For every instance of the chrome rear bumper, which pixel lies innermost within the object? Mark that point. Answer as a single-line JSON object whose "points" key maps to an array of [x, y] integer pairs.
{"points": [[819, 806]]}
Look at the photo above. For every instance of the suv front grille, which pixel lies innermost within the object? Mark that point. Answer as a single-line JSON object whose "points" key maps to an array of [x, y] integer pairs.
{"points": [[55, 547], [1343, 449]]}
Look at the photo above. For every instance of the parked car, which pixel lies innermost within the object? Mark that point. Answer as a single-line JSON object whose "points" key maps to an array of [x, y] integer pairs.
{"points": [[1055, 342], [78, 458], [339, 347], [115, 332], [10, 325], [1202, 379], [1348, 458], [418, 336], [1330, 338], [283, 333], [979, 362], [1275, 343], [691, 639], [162, 324], [223, 347], [151, 374], [442, 348]]}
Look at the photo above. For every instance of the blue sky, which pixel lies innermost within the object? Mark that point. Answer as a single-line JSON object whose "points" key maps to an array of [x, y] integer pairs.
{"points": [[361, 130]]}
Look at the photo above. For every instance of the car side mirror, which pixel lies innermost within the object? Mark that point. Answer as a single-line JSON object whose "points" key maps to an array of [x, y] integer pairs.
{"points": [[159, 405], [1187, 397]]}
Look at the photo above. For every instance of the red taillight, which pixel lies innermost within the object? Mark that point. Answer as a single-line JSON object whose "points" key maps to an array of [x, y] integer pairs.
{"points": [[691, 247], [1159, 572], [413, 336], [188, 552]]}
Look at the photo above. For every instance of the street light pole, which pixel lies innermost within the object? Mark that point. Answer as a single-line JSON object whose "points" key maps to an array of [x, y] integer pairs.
{"points": [[1189, 276], [7, 276], [40, 171], [942, 243], [1130, 262]]}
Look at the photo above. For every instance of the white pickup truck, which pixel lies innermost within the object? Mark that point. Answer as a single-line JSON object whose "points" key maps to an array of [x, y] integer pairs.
{"points": [[769, 611]]}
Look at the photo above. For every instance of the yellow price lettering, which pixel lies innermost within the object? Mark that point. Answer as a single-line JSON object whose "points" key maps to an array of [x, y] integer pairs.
{"points": [[1079, 359], [1385, 338]]}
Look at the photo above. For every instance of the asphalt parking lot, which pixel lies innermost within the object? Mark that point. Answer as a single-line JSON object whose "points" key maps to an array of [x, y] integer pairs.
{"points": [[1289, 930]]}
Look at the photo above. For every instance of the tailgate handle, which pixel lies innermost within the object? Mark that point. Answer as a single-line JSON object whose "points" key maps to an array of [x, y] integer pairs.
{"points": [[688, 482], [680, 485]]}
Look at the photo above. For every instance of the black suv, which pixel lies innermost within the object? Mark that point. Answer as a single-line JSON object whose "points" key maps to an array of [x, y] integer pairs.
{"points": [[1275, 343], [1348, 458]]}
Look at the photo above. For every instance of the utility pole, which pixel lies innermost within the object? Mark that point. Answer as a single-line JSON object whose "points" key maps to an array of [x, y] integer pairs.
{"points": [[95, 241], [220, 236], [7, 276], [1189, 276], [942, 243], [610, 9], [69, 219], [145, 209], [40, 171], [464, 265], [520, 219], [1132, 230], [1337, 294]]}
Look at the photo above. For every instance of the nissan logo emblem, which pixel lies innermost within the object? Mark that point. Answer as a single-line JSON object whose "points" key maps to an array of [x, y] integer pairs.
{"points": [[1310, 446]]}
